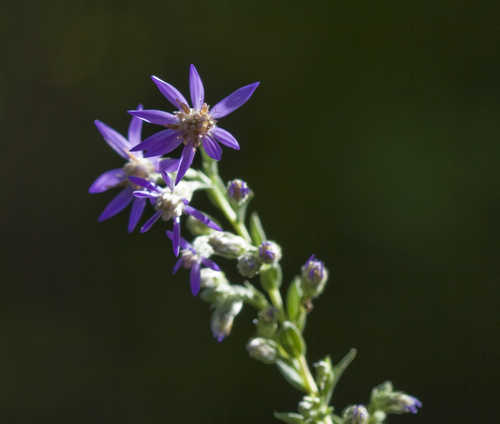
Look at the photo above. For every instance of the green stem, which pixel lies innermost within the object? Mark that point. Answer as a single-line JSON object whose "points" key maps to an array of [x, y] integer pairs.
{"points": [[307, 376], [217, 193], [277, 301]]}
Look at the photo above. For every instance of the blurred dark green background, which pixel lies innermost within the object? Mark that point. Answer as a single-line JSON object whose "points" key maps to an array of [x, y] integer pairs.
{"points": [[373, 141]]}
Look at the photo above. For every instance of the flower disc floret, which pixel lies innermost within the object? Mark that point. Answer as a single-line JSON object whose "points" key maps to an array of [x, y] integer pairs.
{"points": [[193, 124]]}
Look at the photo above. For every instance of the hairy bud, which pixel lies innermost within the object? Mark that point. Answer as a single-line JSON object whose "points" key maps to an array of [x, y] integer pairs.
{"points": [[264, 350], [269, 252], [228, 245], [314, 277], [248, 265], [356, 414]]}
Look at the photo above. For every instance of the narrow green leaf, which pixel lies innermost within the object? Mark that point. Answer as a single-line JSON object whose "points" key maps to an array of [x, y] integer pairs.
{"points": [[292, 340], [256, 229], [293, 300], [291, 375], [289, 417]]}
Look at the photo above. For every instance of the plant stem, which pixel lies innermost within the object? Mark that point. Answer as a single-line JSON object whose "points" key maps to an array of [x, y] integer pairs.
{"points": [[307, 376]]}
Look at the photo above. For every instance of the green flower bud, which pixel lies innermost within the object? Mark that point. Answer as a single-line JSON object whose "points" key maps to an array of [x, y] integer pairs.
{"points": [[228, 245], [248, 265], [356, 414], [383, 398], [223, 318], [267, 323], [264, 350]]}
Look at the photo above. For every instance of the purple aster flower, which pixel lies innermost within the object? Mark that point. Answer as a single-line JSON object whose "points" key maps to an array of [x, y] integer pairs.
{"points": [[191, 126], [170, 204], [193, 257], [136, 165]]}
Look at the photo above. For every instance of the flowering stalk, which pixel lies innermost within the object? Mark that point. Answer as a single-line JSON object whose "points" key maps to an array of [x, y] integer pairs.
{"points": [[169, 186]]}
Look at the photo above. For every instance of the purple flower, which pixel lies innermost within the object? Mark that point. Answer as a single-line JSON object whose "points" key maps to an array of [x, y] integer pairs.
{"points": [[193, 258], [170, 203], [191, 126], [136, 165]]}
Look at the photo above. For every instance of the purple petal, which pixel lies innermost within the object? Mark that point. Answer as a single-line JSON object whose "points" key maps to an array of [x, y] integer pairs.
{"points": [[143, 194], [170, 92], [107, 180], [233, 101], [176, 236], [119, 202], [168, 165], [136, 213], [115, 140], [148, 224], [165, 139], [211, 264], [155, 116], [226, 138], [196, 88], [212, 148], [134, 129], [177, 265], [144, 183], [195, 278], [201, 217], [184, 243], [186, 161]]}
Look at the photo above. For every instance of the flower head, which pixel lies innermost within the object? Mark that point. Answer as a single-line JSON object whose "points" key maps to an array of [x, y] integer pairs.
{"points": [[170, 204], [136, 166], [193, 256], [191, 126]]}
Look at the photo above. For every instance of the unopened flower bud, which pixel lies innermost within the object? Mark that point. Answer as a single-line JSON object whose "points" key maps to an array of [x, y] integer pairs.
{"points": [[248, 265], [264, 350], [356, 414], [267, 323], [211, 278], [238, 190], [223, 317], [269, 252], [228, 245], [394, 402], [314, 277]]}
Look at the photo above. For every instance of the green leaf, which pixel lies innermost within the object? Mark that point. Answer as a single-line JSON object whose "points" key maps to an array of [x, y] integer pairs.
{"points": [[294, 300], [289, 417], [256, 229], [292, 340], [290, 375], [341, 366]]}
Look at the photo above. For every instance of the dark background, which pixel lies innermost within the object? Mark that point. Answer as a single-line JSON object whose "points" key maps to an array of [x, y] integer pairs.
{"points": [[373, 141]]}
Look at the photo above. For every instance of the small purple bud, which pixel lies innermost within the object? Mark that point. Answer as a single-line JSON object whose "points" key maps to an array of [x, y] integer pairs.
{"points": [[314, 277], [238, 190], [269, 252]]}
